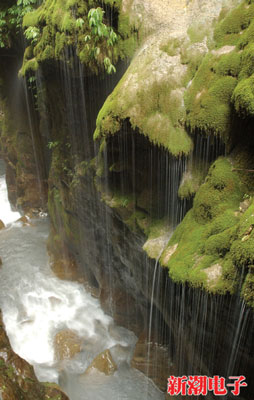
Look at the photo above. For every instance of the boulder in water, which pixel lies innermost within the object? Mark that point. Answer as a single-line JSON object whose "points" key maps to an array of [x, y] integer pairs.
{"points": [[103, 363], [2, 226], [67, 344], [24, 220]]}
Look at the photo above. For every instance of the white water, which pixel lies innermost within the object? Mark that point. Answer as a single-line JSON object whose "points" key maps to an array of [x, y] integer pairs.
{"points": [[6, 213], [36, 305]]}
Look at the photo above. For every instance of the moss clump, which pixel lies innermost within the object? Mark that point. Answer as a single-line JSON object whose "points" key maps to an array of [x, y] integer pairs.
{"points": [[205, 236], [29, 66], [221, 191], [248, 289], [208, 98], [243, 97], [223, 83], [228, 30], [190, 183]]}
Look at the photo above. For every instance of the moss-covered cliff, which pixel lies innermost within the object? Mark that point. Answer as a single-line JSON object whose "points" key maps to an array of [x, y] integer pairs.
{"points": [[172, 132]]}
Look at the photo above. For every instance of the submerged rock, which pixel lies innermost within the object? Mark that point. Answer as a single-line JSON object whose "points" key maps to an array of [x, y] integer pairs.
{"points": [[103, 363], [24, 220], [67, 344], [152, 359]]}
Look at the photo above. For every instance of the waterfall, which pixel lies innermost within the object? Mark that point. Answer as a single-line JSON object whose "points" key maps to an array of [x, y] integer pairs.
{"points": [[6, 213], [36, 306]]}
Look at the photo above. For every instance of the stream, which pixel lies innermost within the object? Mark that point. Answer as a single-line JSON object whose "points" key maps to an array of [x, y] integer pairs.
{"points": [[36, 305]]}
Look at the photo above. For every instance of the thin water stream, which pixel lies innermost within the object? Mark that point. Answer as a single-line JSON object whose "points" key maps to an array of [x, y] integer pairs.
{"points": [[36, 305]]}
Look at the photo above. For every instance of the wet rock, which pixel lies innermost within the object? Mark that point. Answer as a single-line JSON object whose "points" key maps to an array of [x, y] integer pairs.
{"points": [[103, 363], [168, 253], [53, 391], [24, 220], [1, 262], [153, 360], [2, 226], [17, 377], [126, 311], [244, 205], [67, 344], [66, 269], [213, 274]]}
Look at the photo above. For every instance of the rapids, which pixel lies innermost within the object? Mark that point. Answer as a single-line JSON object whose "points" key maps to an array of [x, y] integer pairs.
{"points": [[36, 305]]}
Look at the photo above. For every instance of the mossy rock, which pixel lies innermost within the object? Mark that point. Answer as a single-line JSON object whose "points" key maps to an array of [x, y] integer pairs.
{"points": [[248, 289], [221, 191], [203, 240]]}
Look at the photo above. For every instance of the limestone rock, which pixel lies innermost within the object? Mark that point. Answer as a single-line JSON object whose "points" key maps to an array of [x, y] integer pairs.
{"points": [[2, 226], [103, 363], [24, 220], [167, 254], [67, 344], [213, 274]]}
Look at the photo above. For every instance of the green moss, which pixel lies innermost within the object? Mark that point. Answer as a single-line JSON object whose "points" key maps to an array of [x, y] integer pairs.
{"points": [[227, 31], [158, 115], [223, 83], [248, 289], [243, 97], [221, 191], [172, 47], [190, 183], [205, 236], [29, 66], [208, 99], [229, 64], [198, 32], [219, 243]]}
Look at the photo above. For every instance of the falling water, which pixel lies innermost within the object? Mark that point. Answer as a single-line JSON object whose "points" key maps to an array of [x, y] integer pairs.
{"points": [[6, 213], [36, 306]]}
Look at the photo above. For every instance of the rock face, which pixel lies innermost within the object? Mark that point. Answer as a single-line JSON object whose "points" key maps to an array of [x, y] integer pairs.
{"points": [[103, 363], [67, 344], [17, 378], [66, 269], [22, 146]]}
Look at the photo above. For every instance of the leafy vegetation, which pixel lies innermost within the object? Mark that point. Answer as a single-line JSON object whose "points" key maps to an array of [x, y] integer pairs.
{"points": [[11, 19], [56, 30]]}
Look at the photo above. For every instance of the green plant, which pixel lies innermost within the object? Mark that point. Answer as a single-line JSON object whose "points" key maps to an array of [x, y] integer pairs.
{"points": [[100, 31], [32, 34], [11, 19], [53, 145]]}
